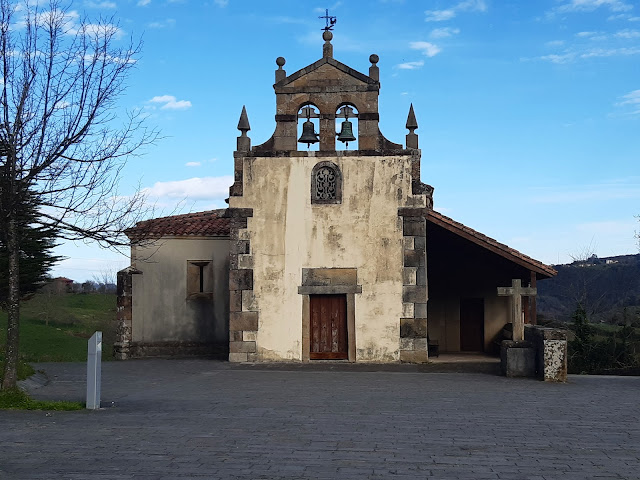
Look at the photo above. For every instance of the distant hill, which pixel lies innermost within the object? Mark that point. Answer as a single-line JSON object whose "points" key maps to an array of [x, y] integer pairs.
{"points": [[608, 288]]}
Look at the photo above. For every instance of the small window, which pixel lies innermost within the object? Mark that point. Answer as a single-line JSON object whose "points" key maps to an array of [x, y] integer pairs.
{"points": [[199, 278], [326, 183]]}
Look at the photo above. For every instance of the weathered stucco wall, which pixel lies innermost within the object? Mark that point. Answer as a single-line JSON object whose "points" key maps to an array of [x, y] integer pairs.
{"points": [[161, 310], [288, 234]]}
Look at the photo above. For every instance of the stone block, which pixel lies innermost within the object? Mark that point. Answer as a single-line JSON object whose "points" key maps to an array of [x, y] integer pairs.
{"points": [[243, 321], [245, 262], [413, 356], [329, 276], [242, 347], [408, 310], [421, 276], [248, 301], [517, 359], [414, 226], [412, 258], [235, 336], [420, 244], [555, 360], [413, 328], [420, 344], [414, 293], [406, 344], [408, 243], [237, 357], [409, 276], [239, 246], [420, 310], [249, 336], [241, 279], [235, 301]]}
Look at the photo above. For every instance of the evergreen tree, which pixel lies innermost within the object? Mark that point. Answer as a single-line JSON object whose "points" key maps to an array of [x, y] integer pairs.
{"points": [[36, 258]]}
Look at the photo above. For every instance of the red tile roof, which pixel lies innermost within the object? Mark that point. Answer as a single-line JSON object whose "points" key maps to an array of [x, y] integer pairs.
{"points": [[490, 244], [211, 223]]}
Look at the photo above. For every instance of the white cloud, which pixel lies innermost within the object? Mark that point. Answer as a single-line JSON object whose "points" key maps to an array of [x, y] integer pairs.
{"points": [[221, 3], [100, 4], [197, 188], [574, 55], [611, 52], [444, 32], [449, 13], [630, 101], [586, 34], [168, 23], [102, 30], [169, 102], [193, 164], [143, 3], [561, 58], [591, 5], [439, 15], [410, 65], [628, 33], [427, 48], [555, 43]]}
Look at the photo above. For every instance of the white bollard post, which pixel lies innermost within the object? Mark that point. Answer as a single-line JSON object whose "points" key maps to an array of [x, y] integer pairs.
{"points": [[94, 359]]}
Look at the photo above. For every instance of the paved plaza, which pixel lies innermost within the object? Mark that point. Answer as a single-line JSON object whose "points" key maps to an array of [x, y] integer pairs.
{"points": [[179, 419]]}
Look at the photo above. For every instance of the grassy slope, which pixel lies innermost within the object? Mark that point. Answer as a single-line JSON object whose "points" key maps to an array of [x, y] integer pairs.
{"points": [[56, 327]]}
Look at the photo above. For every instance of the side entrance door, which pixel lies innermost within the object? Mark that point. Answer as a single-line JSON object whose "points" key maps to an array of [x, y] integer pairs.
{"points": [[328, 327], [471, 325]]}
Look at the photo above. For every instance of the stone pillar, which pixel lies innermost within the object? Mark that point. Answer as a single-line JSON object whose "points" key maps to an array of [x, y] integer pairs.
{"points": [[413, 324], [551, 352], [243, 323], [124, 313]]}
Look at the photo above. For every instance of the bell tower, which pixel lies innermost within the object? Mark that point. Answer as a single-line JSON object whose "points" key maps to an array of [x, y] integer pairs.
{"points": [[335, 91]]}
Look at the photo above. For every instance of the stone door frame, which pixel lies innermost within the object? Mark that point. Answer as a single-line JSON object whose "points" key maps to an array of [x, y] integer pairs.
{"points": [[329, 281]]}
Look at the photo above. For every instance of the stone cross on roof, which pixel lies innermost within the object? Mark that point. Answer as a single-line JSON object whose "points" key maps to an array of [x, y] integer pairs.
{"points": [[516, 291]]}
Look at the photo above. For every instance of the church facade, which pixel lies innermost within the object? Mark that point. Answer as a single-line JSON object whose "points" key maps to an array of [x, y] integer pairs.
{"points": [[323, 254]]}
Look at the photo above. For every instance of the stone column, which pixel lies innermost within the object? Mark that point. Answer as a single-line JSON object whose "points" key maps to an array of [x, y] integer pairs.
{"points": [[124, 313], [243, 324], [413, 325]]}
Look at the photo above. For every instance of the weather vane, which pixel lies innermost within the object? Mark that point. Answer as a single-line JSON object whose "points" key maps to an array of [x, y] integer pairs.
{"points": [[330, 21]]}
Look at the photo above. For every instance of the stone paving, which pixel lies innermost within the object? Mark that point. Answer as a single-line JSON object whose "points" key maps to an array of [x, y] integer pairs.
{"points": [[177, 419]]}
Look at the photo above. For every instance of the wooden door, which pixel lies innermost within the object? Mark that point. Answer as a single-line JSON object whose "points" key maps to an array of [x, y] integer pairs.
{"points": [[328, 327], [472, 325]]}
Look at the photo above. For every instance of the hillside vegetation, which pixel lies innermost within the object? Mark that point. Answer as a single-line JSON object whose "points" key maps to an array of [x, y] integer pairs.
{"points": [[609, 292]]}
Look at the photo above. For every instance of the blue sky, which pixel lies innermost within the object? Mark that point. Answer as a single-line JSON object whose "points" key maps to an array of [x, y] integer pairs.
{"points": [[528, 112]]}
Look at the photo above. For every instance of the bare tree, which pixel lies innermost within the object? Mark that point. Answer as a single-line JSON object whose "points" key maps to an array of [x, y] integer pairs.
{"points": [[63, 140]]}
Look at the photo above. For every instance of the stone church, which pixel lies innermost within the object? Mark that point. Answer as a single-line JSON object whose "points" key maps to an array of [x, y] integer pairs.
{"points": [[330, 248]]}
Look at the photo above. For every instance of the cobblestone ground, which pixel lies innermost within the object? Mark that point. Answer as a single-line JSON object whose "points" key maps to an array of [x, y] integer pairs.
{"points": [[177, 419]]}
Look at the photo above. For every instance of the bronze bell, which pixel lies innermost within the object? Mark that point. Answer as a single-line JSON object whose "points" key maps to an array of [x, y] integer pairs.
{"points": [[308, 136], [346, 132]]}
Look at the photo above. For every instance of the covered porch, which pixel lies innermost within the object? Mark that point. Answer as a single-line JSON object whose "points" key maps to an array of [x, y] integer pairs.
{"points": [[464, 270]]}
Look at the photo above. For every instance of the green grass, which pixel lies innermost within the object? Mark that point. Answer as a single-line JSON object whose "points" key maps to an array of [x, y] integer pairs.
{"points": [[55, 328], [16, 399]]}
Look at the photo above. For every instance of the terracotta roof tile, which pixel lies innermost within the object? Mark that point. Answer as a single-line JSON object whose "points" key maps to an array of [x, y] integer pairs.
{"points": [[488, 242], [211, 223]]}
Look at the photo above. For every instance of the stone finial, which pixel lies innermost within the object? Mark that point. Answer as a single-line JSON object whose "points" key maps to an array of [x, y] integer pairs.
{"points": [[280, 73], [412, 125], [327, 48], [374, 71], [244, 142]]}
